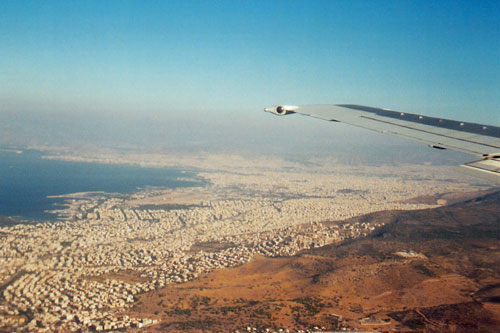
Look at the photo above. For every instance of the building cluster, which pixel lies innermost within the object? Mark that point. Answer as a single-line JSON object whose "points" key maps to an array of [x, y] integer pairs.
{"points": [[87, 270]]}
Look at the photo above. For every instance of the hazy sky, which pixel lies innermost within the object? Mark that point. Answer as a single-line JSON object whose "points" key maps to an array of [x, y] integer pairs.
{"points": [[223, 61]]}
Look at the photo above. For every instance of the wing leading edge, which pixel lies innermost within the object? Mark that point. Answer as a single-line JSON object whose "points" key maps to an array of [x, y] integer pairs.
{"points": [[472, 138]]}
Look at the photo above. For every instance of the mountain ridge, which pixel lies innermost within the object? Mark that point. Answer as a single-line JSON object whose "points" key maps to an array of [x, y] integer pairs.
{"points": [[427, 270]]}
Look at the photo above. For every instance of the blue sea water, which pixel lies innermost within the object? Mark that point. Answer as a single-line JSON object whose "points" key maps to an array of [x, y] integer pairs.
{"points": [[26, 180]]}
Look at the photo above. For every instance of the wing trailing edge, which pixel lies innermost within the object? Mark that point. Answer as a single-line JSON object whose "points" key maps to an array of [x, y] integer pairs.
{"points": [[440, 133]]}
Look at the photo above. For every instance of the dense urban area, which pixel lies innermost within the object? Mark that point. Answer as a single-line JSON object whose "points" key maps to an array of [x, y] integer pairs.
{"points": [[85, 270]]}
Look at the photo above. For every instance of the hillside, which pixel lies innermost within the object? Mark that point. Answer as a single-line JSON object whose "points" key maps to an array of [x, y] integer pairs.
{"points": [[431, 270]]}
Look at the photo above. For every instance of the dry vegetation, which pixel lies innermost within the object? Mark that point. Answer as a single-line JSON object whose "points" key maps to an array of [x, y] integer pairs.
{"points": [[455, 289]]}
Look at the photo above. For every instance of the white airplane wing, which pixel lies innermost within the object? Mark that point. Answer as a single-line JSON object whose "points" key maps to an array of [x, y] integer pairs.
{"points": [[476, 139]]}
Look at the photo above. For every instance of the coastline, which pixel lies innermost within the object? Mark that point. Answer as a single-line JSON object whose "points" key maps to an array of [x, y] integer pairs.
{"points": [[32, 187], [121, 245]]}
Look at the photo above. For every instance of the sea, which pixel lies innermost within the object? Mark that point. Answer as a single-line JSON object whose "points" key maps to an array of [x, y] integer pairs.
{"points": [[27, 180]]}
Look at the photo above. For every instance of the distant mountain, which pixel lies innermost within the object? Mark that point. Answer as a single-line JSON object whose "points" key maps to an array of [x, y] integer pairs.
{"points": [[433, 270]]}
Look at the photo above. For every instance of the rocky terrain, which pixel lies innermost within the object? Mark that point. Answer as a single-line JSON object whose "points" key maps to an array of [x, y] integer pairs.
{"points": [[430, 270]]}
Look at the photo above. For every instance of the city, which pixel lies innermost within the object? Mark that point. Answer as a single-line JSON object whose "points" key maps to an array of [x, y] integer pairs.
{"points": [[87, 269]]}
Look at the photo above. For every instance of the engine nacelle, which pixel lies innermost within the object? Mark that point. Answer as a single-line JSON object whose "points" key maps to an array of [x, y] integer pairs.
{"points": [[281, 110]]}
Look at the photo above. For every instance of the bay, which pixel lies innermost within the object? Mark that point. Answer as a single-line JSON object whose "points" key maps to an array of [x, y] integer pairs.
{"points": [[26, 181]]}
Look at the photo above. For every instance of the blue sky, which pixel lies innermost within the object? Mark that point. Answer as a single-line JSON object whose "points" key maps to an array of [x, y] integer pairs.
{"points": [[228, 59]]}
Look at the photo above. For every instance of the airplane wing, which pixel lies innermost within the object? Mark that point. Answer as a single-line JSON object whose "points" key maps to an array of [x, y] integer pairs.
{"points": [[476, 139]]}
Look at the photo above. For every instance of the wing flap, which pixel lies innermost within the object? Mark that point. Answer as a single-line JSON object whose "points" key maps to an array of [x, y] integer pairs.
{"points": [[486, 169]]}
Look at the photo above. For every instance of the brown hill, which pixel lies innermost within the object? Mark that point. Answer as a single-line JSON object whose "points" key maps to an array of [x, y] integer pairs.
{"points": [[428, 270]]}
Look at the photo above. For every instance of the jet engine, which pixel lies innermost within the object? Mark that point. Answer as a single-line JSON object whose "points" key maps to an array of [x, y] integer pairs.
{"points": [[281, 110]]}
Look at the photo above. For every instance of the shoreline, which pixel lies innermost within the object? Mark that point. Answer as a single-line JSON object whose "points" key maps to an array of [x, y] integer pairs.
{"points": [[41, 206], [119, 246]]}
